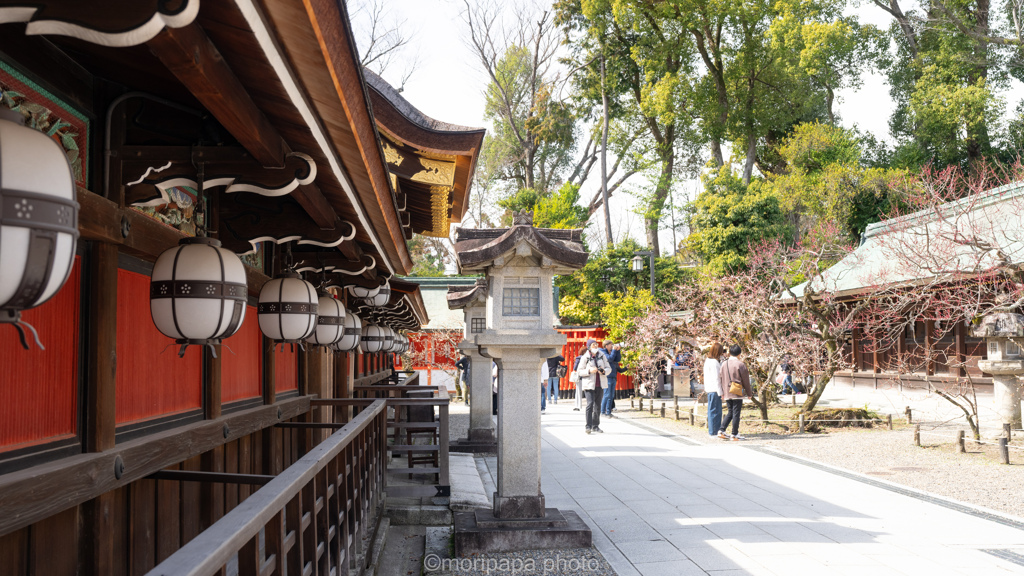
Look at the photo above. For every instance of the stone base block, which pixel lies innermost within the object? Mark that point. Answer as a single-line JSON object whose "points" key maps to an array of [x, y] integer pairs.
{"points": [[553, 518], [558, 529], [483, 435], [519, 507], [467, 445]]}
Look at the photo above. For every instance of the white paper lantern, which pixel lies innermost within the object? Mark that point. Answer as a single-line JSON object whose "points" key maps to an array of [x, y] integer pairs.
{"points": [[38, 220], [372, 340], [362, 293], [353, 334], [389, 340], [381, 297], [330, 322], [197, 292], [287, 309]]}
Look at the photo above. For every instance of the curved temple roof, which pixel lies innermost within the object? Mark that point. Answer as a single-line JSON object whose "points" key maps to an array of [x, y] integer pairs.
{"points": [[431, 162]]}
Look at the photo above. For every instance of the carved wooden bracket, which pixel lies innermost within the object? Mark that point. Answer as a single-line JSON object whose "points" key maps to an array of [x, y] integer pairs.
{"points": [[246, 221], [332, 263], [150, 188], [116, 23]]}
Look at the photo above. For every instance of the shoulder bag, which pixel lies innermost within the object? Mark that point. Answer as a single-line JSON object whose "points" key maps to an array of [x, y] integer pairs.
{"points": [[735, 387]]}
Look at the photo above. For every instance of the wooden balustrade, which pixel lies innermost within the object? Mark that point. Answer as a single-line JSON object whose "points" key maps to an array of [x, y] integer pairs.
{"points": [[312, 517], [401, 425]]}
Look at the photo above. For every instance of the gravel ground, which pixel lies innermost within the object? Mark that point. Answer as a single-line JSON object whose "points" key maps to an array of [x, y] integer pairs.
{"points": [[976, 477]]}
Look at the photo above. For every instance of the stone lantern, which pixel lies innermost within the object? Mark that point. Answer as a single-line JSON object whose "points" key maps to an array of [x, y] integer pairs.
{"points": [[518, 333], [1004, 333], [473, 301]]}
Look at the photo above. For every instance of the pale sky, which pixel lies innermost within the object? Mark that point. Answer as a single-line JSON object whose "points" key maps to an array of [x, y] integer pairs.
{"points": [[447, 84]]}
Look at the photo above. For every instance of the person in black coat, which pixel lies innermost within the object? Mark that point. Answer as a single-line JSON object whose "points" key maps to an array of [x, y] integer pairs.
{"points": [[553, 378]]}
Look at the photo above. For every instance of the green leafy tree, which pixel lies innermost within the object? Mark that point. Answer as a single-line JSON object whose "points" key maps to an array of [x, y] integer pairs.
{"points": [[429, 255], [828, 183], [609, 273], [728, 216], [620, 314], [647, 61], [560, 209]]}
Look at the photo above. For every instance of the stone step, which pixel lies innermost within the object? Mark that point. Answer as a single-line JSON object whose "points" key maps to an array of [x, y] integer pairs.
{"points": [[468, 491], [421, 515]]}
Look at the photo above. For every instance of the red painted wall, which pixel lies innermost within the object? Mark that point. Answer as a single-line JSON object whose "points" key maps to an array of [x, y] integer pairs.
{"points": [[286, 368], [39, 388], [241, 367], [151, 380]]}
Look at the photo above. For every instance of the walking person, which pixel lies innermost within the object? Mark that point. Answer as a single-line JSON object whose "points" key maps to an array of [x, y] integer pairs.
{"points": [[735, 383], [713, 388], [579, 385], [463, 365], [593, 365], [543, 387], [553, 377], [494, 388], [614, 357], [787, 376]]}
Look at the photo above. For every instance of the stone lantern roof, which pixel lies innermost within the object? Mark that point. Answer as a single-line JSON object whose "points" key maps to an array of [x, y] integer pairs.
{"points": [[477, 249], [462, 296]]}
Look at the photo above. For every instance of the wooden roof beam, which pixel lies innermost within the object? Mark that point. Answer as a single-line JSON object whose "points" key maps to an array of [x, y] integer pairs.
{"points": [[194, 60]]}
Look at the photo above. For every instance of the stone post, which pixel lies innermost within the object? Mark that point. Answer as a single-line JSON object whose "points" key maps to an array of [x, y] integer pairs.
{"points": [[518, 482], [481, 425]]}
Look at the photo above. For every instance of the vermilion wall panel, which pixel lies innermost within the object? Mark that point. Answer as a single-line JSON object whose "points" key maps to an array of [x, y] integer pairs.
{"points": [[241, 368], [39, 388], [151, 380], [286, 369]]}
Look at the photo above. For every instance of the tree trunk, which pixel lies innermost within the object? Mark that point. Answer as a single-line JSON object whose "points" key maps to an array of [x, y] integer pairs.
{"points": [[716, 152], [604, 161], [653, 217], [748, 166]]}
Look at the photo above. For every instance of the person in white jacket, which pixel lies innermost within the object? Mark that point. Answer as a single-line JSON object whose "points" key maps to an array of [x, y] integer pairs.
{"points": [[713, 388], [591, 369]]}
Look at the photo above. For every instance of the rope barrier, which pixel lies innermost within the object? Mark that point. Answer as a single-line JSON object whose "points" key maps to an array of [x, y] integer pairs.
{"points": [[923, 433]]}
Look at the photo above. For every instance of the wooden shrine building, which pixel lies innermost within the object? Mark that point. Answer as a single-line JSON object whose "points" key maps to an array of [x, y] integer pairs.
{"points": [[249, 122]]}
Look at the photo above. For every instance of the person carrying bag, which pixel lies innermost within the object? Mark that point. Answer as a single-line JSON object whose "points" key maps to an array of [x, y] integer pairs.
{"points": [[592, 369], [735, 383]]}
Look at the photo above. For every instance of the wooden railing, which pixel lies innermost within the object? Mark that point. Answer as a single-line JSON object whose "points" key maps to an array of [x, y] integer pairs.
{"points": [[310, 519], [399, 426]]}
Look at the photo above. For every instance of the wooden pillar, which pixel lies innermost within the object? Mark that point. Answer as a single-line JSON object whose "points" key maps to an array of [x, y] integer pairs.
{"points": [[344, 364], [318, 383], [855, 349], [960, 334], [270, 437], [212, 384], [96, 545]]}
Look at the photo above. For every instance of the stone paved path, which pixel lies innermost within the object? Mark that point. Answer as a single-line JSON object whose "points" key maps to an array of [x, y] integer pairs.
{"points": [[661, 506]]}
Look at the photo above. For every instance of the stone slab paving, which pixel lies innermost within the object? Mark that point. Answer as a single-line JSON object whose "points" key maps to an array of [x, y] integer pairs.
{"points": [[661, 506]]}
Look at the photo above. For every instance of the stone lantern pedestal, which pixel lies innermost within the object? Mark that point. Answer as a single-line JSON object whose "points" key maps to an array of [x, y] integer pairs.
{"points": [[480, 438], [520, 264], [1004, 362]]}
